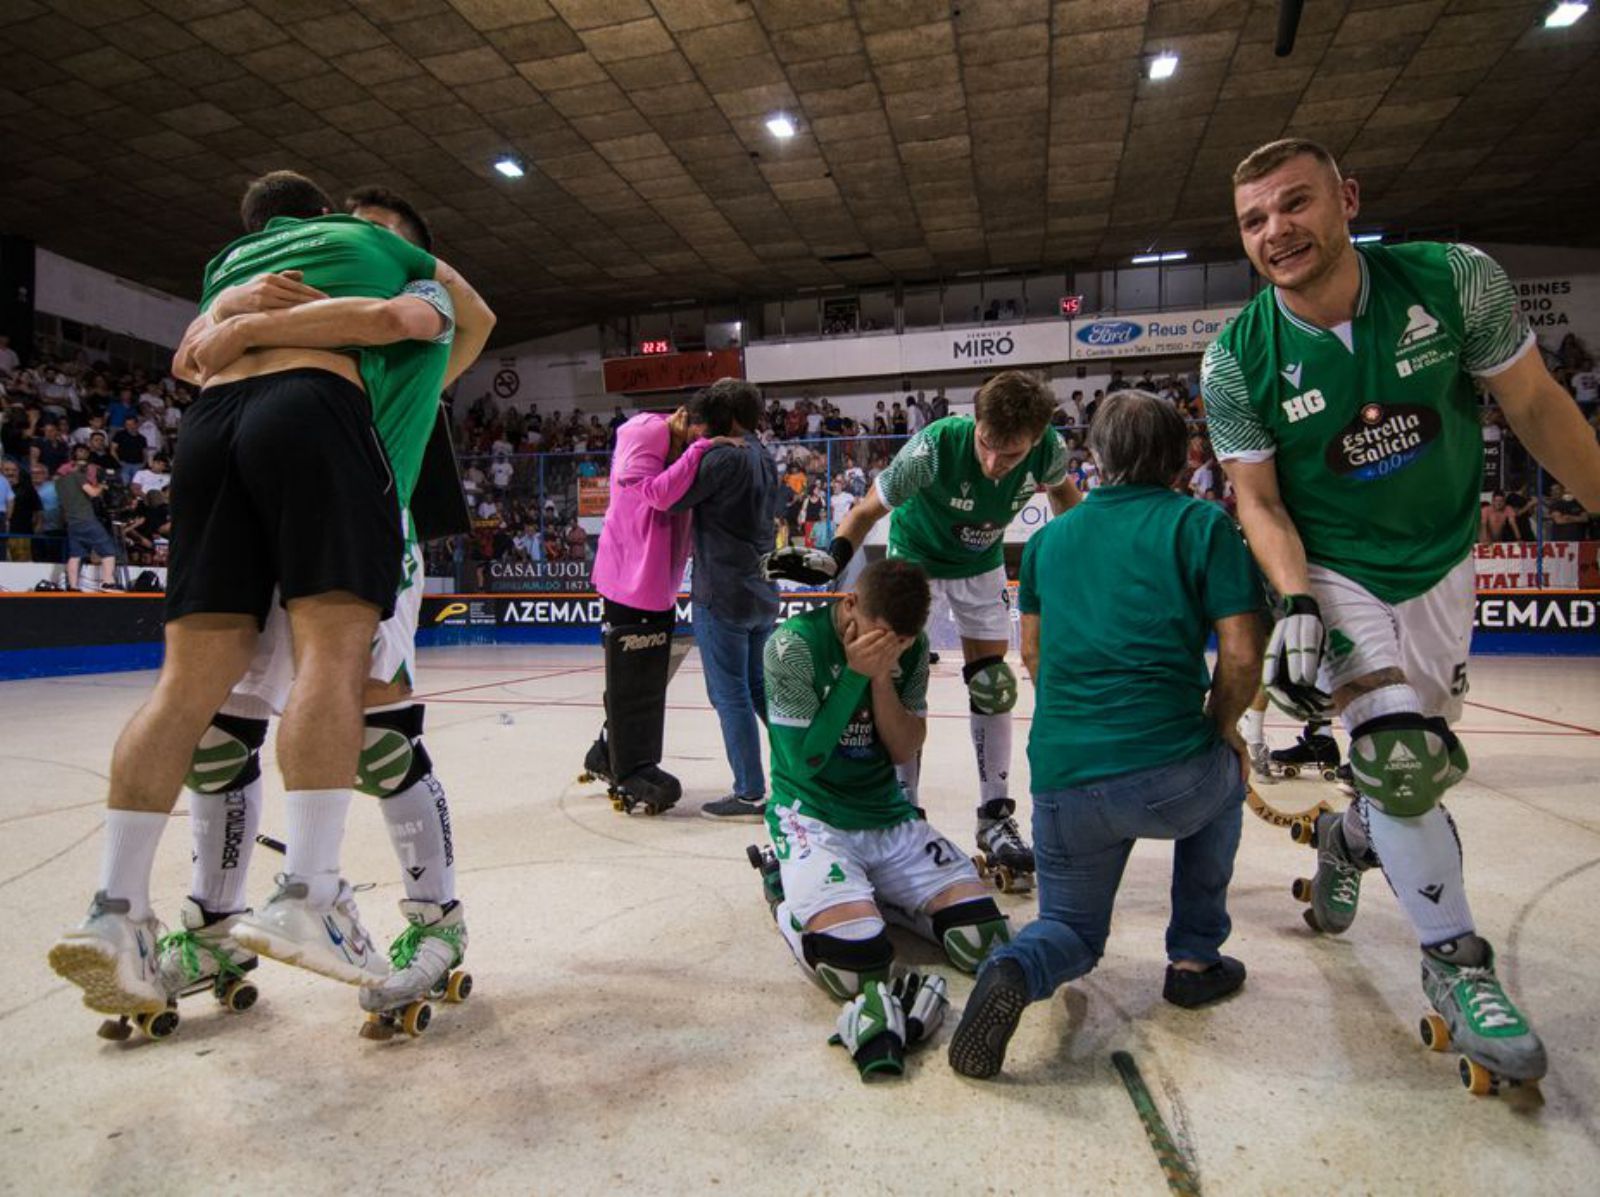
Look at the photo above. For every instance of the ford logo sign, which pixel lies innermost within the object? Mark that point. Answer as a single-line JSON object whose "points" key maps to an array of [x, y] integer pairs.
{"points": [[1110, 332]]}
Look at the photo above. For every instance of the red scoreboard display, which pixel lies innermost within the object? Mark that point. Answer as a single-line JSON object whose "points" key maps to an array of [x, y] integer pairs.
{"points": [[1071, 305], [653, 347]]}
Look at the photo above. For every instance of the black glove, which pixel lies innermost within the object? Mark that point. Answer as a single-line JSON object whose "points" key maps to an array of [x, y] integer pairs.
{"points": [[795, 563], [924, 998]]}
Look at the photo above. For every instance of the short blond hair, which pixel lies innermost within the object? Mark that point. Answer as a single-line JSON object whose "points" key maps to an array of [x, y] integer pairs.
{"points": [[1263, 161]]}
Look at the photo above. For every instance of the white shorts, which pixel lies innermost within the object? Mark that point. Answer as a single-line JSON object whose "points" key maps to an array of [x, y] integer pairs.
{"points": [[1426, 638], [980, 606], [906, 866], [394, 648]]}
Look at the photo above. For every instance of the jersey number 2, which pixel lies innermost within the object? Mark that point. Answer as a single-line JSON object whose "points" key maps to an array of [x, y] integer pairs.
{"points": [[942, 852]]}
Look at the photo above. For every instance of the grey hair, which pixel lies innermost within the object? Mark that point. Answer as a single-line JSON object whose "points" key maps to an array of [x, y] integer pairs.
{"points": [[1138, 439]]}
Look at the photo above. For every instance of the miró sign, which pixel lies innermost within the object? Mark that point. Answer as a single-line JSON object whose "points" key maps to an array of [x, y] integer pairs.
{"points": [[981, 349]]}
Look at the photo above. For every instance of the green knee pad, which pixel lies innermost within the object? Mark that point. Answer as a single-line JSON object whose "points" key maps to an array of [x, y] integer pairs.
{"points": [[228, 755], [392, 756], [1403, 764], [991, 686], [969, 931]]}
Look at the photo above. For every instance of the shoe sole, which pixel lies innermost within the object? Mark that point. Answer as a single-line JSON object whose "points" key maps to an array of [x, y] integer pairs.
{"points": [[93, 971], [292, 951], [978, 1048], [742, 818]]}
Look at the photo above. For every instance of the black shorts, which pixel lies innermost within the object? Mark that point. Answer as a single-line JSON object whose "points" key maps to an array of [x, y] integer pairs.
{"points": [[280, 482]]}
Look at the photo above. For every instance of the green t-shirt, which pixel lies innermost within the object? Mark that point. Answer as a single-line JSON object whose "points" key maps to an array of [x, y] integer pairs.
{"points": [[949, 518], [843, 775], [1127, 586], [339, 255], [1374, 426], [404, 380]]}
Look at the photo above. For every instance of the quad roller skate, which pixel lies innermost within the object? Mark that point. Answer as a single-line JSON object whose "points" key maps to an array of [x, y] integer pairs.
{"points": [[765, 862], [202, 957], [649, 789], [1314, 753], [1334, 892], [1472, 1013], [113, 959], [424, 958], [1004, 858], [1261, 763]]}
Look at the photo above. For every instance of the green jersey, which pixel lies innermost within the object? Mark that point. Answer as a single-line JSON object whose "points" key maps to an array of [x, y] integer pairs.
{"points": [[948, 517], [1374, 426], [827, 760], [1127, 586], [404, 380]]}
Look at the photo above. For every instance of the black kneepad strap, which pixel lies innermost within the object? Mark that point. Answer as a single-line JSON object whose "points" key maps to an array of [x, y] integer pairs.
{"points": [[843, 966], [968, 931]]}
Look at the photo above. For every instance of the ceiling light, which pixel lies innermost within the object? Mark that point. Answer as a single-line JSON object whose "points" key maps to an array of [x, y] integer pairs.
{"points": [[1175, 255], [1367, 238], [1565, 14], [509, 166], [1145, 259], [780, 126], [1162, 66]]}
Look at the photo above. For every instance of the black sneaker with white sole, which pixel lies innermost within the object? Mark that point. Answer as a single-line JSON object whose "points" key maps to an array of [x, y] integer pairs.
{"points": [[736, 808], [978, 1048]]}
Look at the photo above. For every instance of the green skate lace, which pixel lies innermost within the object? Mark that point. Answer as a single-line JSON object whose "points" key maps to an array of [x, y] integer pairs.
{"points": [[404, 949], [1346, 886], [189, 946], [1486, 1001]]}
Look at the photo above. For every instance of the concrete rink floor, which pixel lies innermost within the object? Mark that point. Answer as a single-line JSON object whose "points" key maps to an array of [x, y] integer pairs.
{"points": [[638, 1025]]}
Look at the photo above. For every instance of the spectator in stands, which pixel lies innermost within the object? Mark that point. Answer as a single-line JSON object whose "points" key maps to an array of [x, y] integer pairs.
{"points": [[96, 423], [150, 426], [86, 535], [48, 526], [839, 505], [130, 448], [156, 477], [8, 493], [9, 362], [50, 449], [577, 541], [813, 511], [1565, 518], [897, 420], [500, 473], [832, 421], [27, 511], [813, 420], [916, 415], [1498, 522]]}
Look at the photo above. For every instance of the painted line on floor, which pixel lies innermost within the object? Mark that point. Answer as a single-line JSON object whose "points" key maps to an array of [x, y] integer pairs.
{"points": [[508, 682], [1180, 1179], [1577, 727]]}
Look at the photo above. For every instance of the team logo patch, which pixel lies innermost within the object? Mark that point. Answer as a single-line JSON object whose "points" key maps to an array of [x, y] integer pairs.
{"points": [[1382, 440], [975, 538]]}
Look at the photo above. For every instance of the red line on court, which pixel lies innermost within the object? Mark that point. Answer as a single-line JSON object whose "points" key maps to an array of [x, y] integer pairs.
{"points": [[533, 677], [1577, 727]]}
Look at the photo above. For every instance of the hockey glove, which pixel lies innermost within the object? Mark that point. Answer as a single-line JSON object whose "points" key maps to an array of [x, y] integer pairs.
{"points": [[795, 563], [924, 999], [1294, 658], [872, 1028]]}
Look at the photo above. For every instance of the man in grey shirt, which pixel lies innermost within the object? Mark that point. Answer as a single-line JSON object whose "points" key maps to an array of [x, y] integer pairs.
{"points": [[735, 499], [86, 535]]}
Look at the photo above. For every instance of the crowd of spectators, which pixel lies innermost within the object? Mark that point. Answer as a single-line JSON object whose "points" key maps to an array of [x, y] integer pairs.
{"points": [[115, 428]]}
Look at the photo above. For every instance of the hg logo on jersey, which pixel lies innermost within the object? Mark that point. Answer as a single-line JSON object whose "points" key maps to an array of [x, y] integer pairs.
{"points": [[1301, 406], [963, 501]]}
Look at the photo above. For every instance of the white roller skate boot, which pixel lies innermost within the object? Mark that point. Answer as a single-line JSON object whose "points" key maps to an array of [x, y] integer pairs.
{"points": [[113, 959], [1261, 763], [328, 940], [424, 957], [203, 955], [1003, 855]]}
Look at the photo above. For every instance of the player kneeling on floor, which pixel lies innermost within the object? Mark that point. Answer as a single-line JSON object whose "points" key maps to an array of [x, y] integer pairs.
{"points": [[846, 702]]}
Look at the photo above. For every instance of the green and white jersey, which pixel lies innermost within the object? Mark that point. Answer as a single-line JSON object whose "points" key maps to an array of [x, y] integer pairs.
{"points": [[341, 256], [827, 759], [1374, 425], [403, 381], [949, 518]]}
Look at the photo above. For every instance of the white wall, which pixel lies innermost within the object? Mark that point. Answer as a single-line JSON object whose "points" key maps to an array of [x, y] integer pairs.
{"points": [[560, 371], [74, 291]]}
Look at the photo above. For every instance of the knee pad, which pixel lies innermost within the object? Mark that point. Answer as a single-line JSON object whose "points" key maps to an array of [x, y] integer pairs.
{"points": [[1404, 763], [393, 758], [991, 686], [844, 966], [228, 756], [968, 931]]}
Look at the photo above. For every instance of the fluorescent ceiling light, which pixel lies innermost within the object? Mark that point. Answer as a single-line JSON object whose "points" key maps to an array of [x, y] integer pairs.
{"points": [[780, 126], [509, 166], [1565, 14], [1367, 238], [1176, 255], [1162, 66], [1145, 259]]}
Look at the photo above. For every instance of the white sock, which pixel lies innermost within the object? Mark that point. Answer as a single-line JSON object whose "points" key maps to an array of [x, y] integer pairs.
{"points": [[991, 739], [131, 840], [1253, 726], [909, 775], [1421, 857], [313, 833], [418, 820], [1398, 699], [224, 830], [791, 934]]}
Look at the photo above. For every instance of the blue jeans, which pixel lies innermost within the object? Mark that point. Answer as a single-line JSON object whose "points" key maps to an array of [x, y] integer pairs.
{"points": [[1082, 838], [731, 655]]}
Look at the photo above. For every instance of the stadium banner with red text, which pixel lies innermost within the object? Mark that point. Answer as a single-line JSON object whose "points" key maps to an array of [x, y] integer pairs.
{"points": [[594, 495], [1563, 564], [671, 371]]}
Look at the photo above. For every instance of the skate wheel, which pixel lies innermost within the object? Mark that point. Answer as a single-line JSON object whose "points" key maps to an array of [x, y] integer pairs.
{"points": [[1330, 775], [377, 1028], [1435, 1033], [585, 778], [459, 987], [1303, 831], [1478, 1080], [1311, 920], [1301, 889], [115, 1029], [416, 1018], [1291, 771], [240, 995], [1003, 878], [752, 853], [158, 1026]]}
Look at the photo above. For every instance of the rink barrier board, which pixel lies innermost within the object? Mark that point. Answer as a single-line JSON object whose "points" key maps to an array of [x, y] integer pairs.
{"points": [[47, 634]]}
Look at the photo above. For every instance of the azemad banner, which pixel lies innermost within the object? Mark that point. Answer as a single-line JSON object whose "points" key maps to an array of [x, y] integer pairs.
{"points": [[1149, 336], [557, 612]]}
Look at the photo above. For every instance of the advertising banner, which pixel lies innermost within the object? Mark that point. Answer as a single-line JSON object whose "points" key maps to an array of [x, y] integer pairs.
{"points": [[558, 577], [1147, 336], [594, 495], [1568, 565], [670, 371]]}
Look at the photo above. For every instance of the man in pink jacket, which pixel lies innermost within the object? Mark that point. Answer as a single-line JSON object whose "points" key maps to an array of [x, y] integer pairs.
{"points": [[638, 569]]}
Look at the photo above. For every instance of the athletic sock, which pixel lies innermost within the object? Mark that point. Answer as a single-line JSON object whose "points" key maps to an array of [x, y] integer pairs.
{"points": [[991, 740], [418, 819], [909, 775], [313, 835], [131, 840], [1422, 859], [1253, 726], [791, 934], [224, 832]]}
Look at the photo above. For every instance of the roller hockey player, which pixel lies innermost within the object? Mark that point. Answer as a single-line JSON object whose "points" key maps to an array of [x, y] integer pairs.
{"points": [[1343, 404], [846, 687], [952, 490]]}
